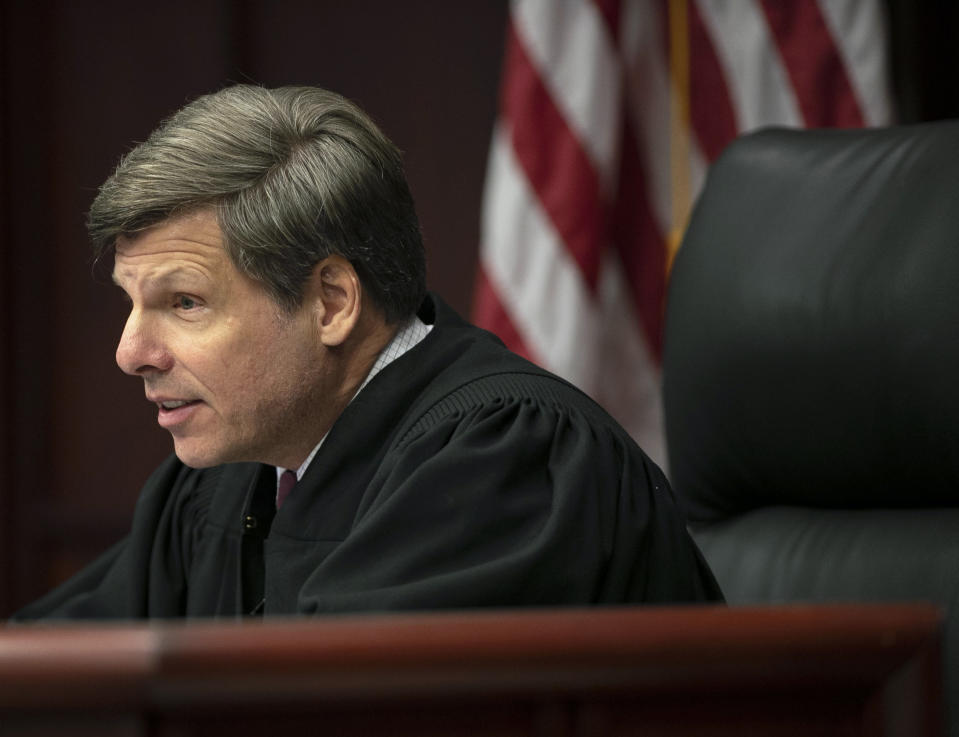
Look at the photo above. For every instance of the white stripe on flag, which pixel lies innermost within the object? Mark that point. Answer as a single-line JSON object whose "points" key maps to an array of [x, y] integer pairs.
{"points": [[859, 29], [628, 385], [758, 84], [570, 47], [540, 286]]}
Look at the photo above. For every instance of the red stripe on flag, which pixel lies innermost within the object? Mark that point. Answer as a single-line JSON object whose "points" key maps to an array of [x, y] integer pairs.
{"points": [[815, 67], [555, 164], [610, 10], [712, 116], [641, 248], [488, 313]]}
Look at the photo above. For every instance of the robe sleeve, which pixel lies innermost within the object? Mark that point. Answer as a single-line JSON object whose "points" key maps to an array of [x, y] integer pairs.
{"points": [[141, 576], [536, 500]]}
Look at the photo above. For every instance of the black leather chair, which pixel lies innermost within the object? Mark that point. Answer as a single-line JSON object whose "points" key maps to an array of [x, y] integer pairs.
{"points": [[811, 370]]}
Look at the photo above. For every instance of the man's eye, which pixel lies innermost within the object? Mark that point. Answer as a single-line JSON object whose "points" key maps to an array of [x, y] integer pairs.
{"points": [[185, 303]]}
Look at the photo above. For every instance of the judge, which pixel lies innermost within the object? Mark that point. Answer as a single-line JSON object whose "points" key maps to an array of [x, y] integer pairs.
{"points": [[343, 441]]}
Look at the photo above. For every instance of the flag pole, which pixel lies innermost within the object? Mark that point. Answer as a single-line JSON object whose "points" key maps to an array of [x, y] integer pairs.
{"points": [[679, 125]]}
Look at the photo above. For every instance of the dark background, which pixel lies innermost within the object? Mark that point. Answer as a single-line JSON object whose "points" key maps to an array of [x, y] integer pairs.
{"points": [[80, 81]]}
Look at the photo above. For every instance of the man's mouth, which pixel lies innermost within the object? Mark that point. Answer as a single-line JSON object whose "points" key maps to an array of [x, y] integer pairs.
{"points": [[174, 403], [175, 412]]}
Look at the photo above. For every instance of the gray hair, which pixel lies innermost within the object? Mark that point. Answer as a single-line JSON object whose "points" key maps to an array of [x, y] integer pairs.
{"points": [[293, 174]]}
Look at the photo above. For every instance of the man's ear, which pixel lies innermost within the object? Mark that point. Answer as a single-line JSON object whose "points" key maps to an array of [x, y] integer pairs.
{"points": [[337, 299]]}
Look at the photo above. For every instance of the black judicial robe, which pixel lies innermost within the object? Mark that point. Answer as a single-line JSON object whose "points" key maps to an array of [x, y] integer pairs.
{"points": [[461, 476]]}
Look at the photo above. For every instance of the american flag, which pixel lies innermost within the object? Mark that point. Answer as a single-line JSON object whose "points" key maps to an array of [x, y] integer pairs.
{"points": [[610, 113]]}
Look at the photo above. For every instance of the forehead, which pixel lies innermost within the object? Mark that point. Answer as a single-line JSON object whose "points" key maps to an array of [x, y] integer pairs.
{"points": [[192, 244]]}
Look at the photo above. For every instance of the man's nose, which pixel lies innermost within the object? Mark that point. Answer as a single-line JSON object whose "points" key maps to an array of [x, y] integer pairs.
{"points": [[141, 349]]}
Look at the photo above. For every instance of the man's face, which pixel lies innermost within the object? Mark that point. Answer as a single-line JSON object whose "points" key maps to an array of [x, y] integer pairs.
{"points": [[233, 376]]}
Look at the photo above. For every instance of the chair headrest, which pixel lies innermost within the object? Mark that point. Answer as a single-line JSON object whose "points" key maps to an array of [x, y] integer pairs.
{"points": [[812, 335]]}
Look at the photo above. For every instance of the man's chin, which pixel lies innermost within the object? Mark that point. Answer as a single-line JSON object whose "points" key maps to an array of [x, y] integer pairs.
{"points": [[195, 457], [193, 462]]}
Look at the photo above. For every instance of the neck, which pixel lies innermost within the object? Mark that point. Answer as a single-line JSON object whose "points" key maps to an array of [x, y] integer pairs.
{"points": [[359, 358], [347, 366]]}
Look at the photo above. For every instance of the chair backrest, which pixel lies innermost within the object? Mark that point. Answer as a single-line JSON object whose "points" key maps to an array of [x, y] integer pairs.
{"points": [[811, 369]]}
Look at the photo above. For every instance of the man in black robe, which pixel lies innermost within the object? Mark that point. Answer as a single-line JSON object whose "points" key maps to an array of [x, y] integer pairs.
{"points": [[343, 441]]}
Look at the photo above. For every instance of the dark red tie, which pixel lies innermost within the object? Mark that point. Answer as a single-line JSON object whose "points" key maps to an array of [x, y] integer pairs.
{"points": [[287, 481]]}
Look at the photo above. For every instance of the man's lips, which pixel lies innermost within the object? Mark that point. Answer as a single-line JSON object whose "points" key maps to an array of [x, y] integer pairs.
{"points": [[173, 412], [175, 403]]}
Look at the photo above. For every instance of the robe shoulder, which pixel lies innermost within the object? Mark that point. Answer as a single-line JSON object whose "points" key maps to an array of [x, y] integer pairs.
{"points": [[512, 489]]}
